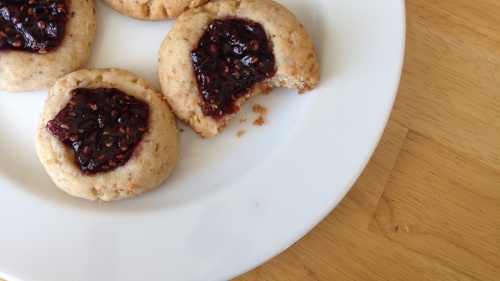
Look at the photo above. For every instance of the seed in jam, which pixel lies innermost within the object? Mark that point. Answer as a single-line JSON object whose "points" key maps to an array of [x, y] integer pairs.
{"points": [[231, 56], [32, 25], [103, 126]]}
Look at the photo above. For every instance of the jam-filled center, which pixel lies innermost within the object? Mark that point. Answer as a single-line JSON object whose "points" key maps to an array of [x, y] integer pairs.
{"points": [[103, 126], [231, 56], [32, 25]]}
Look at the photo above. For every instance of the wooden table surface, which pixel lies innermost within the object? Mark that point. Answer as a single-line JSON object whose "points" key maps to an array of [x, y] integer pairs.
{"points": [[427, 206]]}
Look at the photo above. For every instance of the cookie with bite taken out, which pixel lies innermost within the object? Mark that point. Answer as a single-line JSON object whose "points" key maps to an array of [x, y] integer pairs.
{"points": [[219, 55]]}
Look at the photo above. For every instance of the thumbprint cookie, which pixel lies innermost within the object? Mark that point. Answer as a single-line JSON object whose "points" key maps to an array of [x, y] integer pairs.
{"points": [[219, 55], [43, 40], [153, 9], [106, 134]]}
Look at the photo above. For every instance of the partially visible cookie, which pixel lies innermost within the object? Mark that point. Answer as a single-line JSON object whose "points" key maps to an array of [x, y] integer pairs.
{"points": [[153, 9], [219, 55], [23, 70], [117, 115]]}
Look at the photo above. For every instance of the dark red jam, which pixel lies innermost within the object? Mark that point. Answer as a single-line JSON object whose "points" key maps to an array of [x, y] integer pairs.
{"points": [[230, 58], [103, 126], [32, 25]]}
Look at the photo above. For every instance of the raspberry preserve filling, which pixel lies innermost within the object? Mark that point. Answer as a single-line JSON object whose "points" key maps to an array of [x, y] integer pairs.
{"points": [[32, 25], [103, 126], [230, 58]]}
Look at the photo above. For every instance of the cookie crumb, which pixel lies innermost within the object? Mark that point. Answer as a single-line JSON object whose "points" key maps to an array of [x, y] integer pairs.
{"points": [[267, 91], [243, 120], [259, 121], [257, 108], [181, 130], [240, 133]]}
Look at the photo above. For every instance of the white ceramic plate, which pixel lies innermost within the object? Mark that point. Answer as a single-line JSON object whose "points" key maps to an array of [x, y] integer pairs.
{"points": [[232, 202]]}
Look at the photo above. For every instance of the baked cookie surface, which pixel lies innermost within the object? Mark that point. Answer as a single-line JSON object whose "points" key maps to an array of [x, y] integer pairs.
{"points": [[22, 71], [296, 61], [152, 160], [153, 9]]}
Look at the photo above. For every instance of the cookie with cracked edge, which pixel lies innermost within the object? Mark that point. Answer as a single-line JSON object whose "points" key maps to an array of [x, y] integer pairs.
{"points": [[151, 161], [153, 9], [296, 61], [22, 71]]}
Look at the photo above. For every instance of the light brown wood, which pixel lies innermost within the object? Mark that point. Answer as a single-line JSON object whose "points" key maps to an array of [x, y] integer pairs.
{"points": [[427, 206]]}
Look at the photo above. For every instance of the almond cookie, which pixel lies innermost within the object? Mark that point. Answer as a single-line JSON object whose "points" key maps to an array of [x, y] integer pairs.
{"points": [[106, 134], [219, 55], [41, 41], [153, 9]]}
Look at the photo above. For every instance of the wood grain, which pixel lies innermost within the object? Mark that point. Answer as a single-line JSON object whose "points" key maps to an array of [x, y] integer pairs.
{"points": [[427, 206]]}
